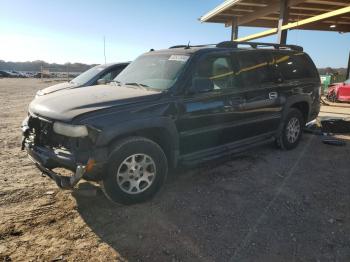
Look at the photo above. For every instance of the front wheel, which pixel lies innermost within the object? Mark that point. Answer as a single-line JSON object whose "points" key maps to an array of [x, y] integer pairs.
{"points": [[292, 130], [137, 168]]}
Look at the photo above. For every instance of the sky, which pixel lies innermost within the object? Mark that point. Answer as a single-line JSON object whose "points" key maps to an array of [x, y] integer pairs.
{"points": [[73, 31]]}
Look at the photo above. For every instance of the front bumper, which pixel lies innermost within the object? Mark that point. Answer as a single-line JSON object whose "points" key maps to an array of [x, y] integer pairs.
{"points": [[45, 159], [48, 154]]}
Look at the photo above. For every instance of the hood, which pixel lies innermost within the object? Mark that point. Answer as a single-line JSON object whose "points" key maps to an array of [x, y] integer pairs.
{"points": [[70, 103], [57, 87]]}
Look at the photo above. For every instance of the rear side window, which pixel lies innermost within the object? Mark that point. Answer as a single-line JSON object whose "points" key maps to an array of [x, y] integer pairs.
{"points": [[253, 68], [294, 66], [218, 69]]}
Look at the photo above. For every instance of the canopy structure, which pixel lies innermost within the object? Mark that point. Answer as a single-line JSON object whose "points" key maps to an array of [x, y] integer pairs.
{"points": [[279, 16]]}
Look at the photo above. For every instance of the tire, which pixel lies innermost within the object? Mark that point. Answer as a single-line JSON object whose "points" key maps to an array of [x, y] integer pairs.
{"points": [[332, 97], [292, 130], [136, 170]]}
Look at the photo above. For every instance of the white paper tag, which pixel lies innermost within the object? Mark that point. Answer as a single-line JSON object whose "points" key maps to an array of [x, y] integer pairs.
{"points": [[181, 58]]}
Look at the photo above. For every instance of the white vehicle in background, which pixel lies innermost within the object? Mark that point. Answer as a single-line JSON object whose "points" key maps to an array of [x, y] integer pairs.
{"points": [[100, 74]]}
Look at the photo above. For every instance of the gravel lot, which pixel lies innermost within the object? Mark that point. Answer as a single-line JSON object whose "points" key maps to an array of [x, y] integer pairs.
{"points": [[263, 205]]}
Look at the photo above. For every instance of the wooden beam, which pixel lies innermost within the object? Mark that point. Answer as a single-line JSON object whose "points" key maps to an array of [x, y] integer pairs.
{"points": [[283, 19], [252, 4], [241, 10], [272, 8], [257, 35], [234, 29], [348, 71], [297, 24], [220, 8], [311, 8], [322, 2], [317, 18], [314, 26]]}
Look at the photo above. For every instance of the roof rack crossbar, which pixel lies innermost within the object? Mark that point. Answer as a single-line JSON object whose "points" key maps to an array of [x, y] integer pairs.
{"points": [[189, 46], [233, 44]]}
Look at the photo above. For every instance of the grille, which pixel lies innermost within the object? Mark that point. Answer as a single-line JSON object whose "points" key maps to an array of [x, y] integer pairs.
{"points": [[42, 131]]}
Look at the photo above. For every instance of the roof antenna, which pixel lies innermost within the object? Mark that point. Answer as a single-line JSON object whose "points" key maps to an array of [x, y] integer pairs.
{"points": [[188, 45]]}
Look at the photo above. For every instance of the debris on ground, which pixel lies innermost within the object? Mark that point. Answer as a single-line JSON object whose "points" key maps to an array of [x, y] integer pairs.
{"points": [[336, 125], [333, 141], [327, 127], [313, 128]]}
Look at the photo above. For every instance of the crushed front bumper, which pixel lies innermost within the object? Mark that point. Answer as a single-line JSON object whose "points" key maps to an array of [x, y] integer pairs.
{"points": [[43, 159], [87, 163]]}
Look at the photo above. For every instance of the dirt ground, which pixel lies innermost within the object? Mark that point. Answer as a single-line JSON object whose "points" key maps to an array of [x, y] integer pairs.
{"points": [[263, 205]]}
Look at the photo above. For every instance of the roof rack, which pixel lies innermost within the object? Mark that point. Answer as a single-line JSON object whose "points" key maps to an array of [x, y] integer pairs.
{"points": [[233, 44], [189, 46], [178, 46]]}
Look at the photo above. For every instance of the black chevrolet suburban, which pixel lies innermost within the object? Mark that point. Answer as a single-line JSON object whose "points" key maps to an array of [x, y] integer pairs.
{"points": [[183, 105]]}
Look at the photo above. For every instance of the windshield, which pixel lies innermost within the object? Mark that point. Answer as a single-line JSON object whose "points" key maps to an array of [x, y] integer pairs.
{"points": [[87, 75], [347, 81], [156, 71]]}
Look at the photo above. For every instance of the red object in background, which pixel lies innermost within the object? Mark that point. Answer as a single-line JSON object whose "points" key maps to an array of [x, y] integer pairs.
{"points": [[339, 92]]}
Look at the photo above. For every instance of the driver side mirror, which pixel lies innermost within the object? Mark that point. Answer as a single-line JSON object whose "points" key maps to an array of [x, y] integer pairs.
{"points": [[102, 81], [201, 85]]}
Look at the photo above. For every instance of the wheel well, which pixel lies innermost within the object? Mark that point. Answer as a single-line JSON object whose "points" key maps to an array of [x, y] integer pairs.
{"points": [[159, 135], [303, 107]]}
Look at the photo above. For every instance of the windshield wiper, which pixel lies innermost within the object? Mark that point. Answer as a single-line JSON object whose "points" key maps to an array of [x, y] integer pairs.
{"points": [[140, 85], [116, 81], [136, 84]]}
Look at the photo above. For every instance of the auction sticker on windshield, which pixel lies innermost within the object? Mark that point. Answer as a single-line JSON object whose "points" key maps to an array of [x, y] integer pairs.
{"points": [[181, 58]]}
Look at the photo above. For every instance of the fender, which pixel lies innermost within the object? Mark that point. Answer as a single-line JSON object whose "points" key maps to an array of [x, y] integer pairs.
{"points": [[289, 103], [128, 127]]}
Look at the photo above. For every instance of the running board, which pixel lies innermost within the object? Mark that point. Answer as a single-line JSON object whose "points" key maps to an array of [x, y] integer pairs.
{"points": [[224, 151]]}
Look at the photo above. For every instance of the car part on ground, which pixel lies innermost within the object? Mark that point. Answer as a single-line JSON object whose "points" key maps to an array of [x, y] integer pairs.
{"points": [[336, 125], [327, 127], [333, 141]]}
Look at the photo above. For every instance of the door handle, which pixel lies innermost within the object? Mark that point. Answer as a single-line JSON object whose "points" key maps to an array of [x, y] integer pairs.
{"points": [[273, 95]]}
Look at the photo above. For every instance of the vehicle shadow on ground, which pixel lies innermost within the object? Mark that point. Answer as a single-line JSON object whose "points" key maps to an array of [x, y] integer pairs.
{"points": [[263, 205], [201, 214]]}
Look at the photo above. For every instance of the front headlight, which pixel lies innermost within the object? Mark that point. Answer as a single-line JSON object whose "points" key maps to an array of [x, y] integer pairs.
{"points": [[70, 130]]}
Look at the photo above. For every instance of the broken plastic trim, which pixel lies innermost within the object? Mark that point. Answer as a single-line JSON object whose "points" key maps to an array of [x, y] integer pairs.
{"points": [[64, 182]]}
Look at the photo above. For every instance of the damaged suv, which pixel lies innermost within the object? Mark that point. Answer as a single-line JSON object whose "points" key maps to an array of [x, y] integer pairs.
{"points": [[182, 105]]}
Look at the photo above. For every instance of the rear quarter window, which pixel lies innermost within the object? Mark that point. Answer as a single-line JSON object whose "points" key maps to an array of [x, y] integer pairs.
{"points": [[254, 68], [294, 66]]}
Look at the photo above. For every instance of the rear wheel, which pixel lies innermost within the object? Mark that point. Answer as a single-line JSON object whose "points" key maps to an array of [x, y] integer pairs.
{"points": [[292, 130], [137, 169]]}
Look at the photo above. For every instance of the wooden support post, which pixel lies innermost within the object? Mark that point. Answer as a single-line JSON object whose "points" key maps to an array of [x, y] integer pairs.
{"points": [[283, 19], [348, 71], [234, 29]]}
